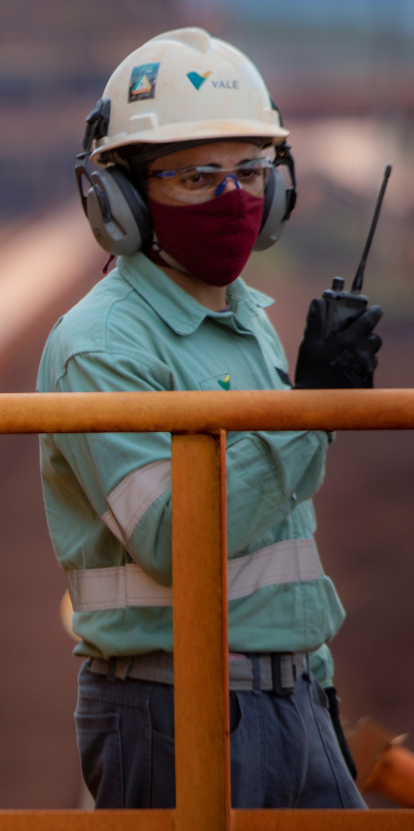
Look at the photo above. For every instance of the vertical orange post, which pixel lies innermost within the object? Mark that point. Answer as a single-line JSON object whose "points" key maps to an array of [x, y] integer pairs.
{"points": [[200, 618]]}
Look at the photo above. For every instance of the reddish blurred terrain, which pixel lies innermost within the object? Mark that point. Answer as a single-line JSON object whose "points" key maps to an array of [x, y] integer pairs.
{"points": [[38, 757]]}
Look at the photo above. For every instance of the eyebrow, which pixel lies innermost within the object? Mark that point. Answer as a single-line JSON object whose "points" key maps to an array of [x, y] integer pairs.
{"points": [[208, 164], [220, 166]]}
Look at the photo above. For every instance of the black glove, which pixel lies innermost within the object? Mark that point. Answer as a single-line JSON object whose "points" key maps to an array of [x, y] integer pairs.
{"points": [[333, 708], [346, 360]]}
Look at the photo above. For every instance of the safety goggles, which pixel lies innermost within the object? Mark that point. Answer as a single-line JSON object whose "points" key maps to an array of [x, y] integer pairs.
{"points": [[202, 182]]}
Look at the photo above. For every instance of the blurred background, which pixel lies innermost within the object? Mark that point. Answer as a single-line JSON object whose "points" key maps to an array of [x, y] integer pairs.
{"points": [[342, 75]]}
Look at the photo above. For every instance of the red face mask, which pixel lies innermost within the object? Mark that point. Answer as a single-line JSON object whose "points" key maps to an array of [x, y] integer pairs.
{"points": [[212, 240]]}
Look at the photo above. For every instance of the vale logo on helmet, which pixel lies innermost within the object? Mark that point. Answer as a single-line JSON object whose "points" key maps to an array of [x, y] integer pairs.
{"points": [[198, 80]]}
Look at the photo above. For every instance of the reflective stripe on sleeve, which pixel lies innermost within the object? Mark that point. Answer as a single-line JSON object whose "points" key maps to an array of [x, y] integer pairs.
{"points": [[94, 589], [134, 495], [117, 587], [283, 562]]}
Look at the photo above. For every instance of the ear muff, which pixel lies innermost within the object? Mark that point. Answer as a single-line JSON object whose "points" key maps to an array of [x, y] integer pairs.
{"points": [[118, 216], [117, 213], [279, 200], [274, 211]]}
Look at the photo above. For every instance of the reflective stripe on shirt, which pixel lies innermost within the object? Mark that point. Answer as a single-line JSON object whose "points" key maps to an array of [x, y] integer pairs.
{"points": [[115, 588], [134, 495], [290, 561], [118, 587]]}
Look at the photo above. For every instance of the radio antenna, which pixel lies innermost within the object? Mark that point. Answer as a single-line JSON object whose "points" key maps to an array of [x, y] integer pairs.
{"points": [[359, 276]]}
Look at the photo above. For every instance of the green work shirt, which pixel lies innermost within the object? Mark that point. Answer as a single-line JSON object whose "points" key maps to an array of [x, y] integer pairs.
{"points": [[108, 496]]}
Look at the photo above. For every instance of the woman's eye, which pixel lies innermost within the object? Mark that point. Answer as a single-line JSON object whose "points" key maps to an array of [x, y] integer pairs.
{"points": [[248, 173], [195, 179]]}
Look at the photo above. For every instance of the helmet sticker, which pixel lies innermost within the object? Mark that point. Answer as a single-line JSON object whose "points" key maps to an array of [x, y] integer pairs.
{"points": [[196, 79], [143, 81]]}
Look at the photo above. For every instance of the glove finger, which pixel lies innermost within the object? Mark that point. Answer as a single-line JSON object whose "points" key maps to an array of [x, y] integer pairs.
{"points": [[375, 343], [315, 320], [368, 365], [366, 322], [367, 359]]}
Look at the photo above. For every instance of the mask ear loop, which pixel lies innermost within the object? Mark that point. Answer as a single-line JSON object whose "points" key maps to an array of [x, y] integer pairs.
{"points": [[219, 189]]}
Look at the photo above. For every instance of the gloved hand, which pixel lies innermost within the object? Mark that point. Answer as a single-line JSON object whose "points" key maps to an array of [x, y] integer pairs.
{"points": [[333, 708], [346, 360]]}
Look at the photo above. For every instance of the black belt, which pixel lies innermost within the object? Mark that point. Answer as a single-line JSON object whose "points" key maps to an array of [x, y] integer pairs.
{"points": [[277, 671]]}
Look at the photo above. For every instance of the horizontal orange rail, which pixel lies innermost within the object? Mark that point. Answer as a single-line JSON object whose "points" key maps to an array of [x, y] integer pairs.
{"points": [[151, 820], [156, 820], [206, 412]]}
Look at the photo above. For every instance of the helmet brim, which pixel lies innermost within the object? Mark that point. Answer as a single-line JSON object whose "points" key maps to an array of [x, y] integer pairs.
{"points": [[197, 130]]}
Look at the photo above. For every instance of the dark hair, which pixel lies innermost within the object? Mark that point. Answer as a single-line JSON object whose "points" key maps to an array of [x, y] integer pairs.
{"points": [[128, 157]]}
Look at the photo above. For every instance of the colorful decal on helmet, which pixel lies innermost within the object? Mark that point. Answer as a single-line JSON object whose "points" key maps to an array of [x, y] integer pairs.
{"points": [[196, 79], [143, 81]]}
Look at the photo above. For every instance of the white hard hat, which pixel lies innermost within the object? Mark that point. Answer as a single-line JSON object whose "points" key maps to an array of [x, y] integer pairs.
{"points": [[186, 85]]}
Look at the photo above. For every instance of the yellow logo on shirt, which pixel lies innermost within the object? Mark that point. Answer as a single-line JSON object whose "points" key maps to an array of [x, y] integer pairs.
{"points": [[225, 384]]}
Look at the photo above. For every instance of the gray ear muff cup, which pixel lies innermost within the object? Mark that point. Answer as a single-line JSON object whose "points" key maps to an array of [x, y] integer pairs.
{"points": [[274, 211], [118, 216]]}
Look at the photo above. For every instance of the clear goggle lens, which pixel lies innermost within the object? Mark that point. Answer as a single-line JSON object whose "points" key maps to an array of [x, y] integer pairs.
{"points": [[202, 182]]}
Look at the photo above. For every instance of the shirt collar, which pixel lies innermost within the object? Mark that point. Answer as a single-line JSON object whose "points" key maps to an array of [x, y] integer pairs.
{"points": [[179, 310]]}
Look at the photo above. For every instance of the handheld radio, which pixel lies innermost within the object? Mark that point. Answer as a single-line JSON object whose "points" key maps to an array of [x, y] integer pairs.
{"points": [[345, 306]]}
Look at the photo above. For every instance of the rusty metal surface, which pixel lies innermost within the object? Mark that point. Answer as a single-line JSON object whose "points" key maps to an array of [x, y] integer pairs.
{"points": [[158, 820], [200, 635], [207, 411], [324, 820], [151, 820]]}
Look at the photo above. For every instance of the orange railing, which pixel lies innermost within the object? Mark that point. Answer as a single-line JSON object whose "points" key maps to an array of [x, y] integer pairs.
{"points": [[198, 422]]}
